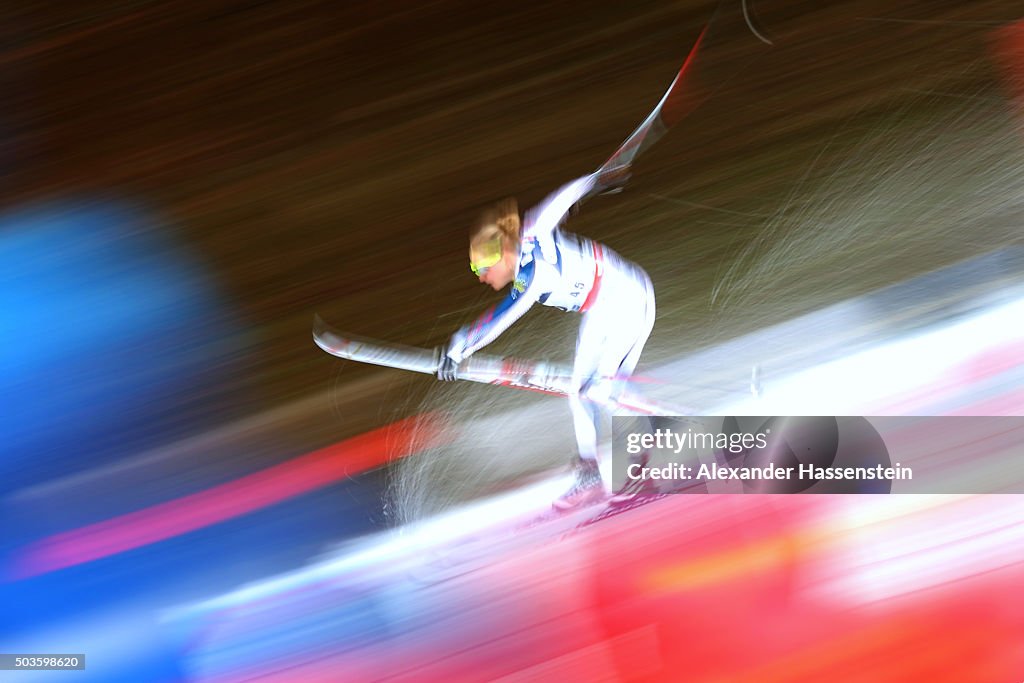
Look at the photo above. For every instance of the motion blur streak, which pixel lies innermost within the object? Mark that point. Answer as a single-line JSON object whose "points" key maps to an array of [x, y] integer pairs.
{"points": [[1009, 50], [868, 553], [847, 653], [583, 608], [272, 485], [730, 565], [112, 337], [876, 560]]}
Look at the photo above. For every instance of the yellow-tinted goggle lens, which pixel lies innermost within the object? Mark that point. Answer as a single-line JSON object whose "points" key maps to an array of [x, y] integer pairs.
{"points": [[481, 266], [486, 258]]}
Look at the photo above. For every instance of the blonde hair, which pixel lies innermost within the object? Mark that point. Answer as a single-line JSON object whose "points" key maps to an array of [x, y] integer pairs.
{"points": [[499, 220]]}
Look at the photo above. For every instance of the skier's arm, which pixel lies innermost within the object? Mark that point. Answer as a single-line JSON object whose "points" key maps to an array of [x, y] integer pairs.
{"points": [[549, 214], [534, 279], [499, 318]]}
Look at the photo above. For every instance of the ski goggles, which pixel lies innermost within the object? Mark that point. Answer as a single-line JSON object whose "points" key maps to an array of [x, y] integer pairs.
{"points": [[486, 257]]}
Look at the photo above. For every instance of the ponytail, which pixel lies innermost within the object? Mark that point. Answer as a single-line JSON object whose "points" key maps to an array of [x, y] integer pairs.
{"points": [[499, 220]]}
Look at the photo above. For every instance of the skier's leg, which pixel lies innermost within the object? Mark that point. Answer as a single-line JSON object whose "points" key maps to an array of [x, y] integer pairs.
{"points": [[611, 338], [643, 332], [585, 419], [591, 353], [588, 487], [605, 339], [633, 336], [626, 332]]}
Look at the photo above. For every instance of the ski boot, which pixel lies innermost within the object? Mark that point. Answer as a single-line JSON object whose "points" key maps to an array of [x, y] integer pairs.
{"points": [[586, 490], [633, 489]]}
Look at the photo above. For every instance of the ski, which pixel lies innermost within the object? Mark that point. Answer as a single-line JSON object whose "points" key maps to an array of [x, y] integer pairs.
{"points": [[678, 101], [547, 378]]}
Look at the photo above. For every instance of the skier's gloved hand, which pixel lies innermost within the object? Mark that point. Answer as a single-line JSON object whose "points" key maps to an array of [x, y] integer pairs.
{"points": [[451, 356], [613, 180], [447, 369]]}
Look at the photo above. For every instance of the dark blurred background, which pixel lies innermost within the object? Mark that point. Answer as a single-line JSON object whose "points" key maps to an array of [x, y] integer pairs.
{"points": [[314, 156]]}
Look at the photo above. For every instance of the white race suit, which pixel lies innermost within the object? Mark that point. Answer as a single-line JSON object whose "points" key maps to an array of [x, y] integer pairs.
{"points": [[613, 295]]}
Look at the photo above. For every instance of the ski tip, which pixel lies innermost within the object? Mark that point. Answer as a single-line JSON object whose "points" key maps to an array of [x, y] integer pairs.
{"points": [[320, 327], [323, 335]]}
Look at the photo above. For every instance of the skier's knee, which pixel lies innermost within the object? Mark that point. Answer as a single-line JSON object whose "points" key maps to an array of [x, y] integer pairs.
{"points": [[599, 392]]}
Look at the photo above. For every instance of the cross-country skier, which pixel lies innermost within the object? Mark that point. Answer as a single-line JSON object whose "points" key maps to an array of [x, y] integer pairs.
{"points": [[546, 265]]}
